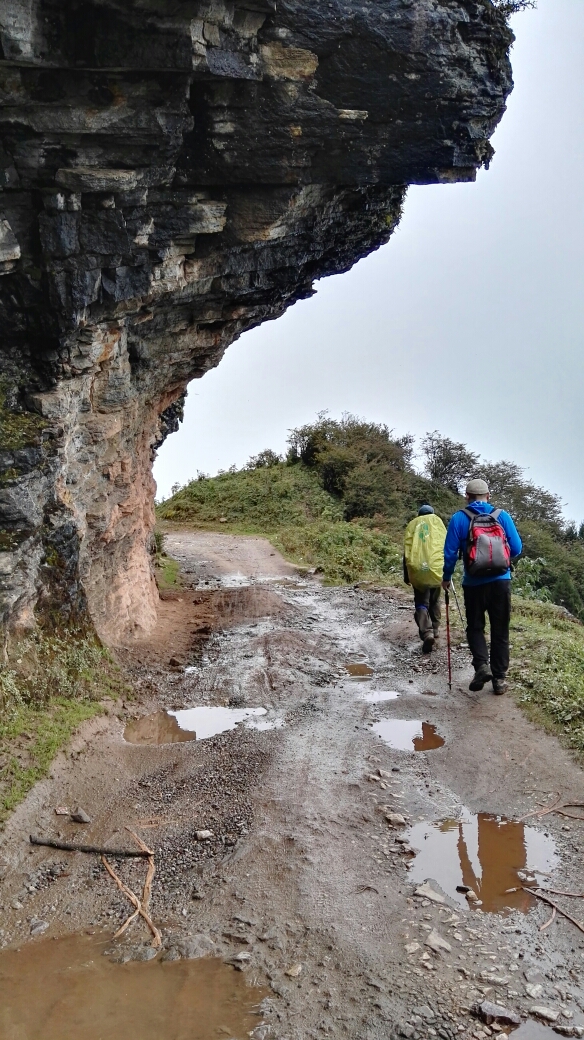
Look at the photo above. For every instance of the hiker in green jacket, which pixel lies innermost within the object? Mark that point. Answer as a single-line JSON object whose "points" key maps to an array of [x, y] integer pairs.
{"points": [[423, 557]]}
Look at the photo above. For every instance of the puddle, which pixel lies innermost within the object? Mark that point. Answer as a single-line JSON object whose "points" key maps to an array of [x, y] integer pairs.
{"points": [[66, 988], [359, 670], [531, 1030], [377, 696], [167, 727], [159, 728], [408, 734], [485, 852]]}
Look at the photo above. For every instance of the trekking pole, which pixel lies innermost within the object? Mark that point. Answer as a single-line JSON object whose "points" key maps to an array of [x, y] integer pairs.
{"points": [[447, 601], [457, 603]]}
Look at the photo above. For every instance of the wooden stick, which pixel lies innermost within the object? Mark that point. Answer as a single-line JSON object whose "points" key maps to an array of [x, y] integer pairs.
{"points": [[68, 847], [556, 892], [544, 811], [157, 940], [543, 927], [146, 892], [538, 894]]}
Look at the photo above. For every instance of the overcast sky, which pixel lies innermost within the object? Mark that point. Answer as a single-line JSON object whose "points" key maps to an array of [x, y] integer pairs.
{"points": [[469, 321]]}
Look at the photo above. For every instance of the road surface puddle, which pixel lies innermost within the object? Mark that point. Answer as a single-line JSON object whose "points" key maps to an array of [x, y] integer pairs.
{"points": [[65, 989], [167, 727], [408, 734], [159, 728], [377, 696], [491, 856], [359, 670]]}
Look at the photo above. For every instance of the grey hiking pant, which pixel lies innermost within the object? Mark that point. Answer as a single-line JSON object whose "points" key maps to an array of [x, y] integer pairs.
{"points": [[427, 612]]}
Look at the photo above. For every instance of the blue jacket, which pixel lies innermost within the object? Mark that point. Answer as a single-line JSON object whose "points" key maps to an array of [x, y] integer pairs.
{"points": [[457, 535]]}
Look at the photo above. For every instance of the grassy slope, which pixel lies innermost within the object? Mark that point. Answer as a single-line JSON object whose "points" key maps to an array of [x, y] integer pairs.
{"points": [[49, 687], [288, 505]]}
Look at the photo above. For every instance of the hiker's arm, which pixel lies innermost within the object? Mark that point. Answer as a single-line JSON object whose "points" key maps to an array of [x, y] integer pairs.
{"points": [[452, 546], [515, 543]]}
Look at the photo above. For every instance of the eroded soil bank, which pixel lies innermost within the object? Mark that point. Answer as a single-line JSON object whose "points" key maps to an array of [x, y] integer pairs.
{"points": [[278, 843]]}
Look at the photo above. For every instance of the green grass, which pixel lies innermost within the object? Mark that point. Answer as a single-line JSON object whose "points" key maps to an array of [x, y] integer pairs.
{"points": [[50, 685], [259, 501], [167, 572], [17, 429], [547, 668], [342, 552]]}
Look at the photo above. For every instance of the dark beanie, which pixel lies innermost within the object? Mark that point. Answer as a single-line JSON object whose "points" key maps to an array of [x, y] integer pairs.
{"points": [[424, 510]]}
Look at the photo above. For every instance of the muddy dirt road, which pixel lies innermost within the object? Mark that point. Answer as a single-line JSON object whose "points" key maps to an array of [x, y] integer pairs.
{"points": [[318, 843]]}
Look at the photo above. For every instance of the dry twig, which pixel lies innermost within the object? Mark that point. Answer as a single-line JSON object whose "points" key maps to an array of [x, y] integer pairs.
{"points": [[543, 927], [157, 938], [539, 895], [68, 847]]}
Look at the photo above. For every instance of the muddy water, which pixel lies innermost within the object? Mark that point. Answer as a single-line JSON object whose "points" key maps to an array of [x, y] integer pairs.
{"points": [[159, 728], [486, 853], [65, 989], [359, 670], [166, 727], [408, 734]]}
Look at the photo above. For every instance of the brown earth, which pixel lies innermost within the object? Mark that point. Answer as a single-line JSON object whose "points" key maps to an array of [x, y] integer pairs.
{"points": [[302, 870]]}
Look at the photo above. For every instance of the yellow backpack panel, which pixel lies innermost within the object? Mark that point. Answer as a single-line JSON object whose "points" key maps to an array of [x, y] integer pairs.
{"points": [[424, 551]]}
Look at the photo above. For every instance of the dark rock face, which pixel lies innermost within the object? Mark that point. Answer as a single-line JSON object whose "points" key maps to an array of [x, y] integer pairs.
{"points": [[173, 172]]}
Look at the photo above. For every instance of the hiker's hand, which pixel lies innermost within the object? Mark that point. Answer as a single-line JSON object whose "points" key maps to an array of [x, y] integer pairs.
{"points": [[446, 585]]}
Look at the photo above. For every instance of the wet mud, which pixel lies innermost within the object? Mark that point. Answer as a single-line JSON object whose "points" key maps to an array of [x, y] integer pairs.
{"points": [[494, 858], [67, 989]]}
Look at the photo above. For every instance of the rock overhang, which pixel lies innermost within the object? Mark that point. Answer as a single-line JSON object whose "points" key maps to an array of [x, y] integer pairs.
{"points": [[172, 174]]}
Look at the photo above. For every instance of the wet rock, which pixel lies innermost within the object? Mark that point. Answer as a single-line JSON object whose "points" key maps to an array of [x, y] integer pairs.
{"points": [[426, 891], [395, 819], [37, 927], [424, 1012], [437, 943], [548, 1014], [533, 989], [80, 816], [145, 953], [203, 835], [199, 945], [490, 1013]]}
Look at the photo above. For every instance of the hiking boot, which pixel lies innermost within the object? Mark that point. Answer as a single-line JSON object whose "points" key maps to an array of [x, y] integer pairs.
{"points": [[481, 676], [500, 686], [428, 644]]}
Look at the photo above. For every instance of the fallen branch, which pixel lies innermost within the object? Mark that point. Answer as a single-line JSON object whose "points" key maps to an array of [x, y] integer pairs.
{"points": [[556, 892], [535, 892], [558, 807], [157, 940], [543, 927], [68, 847]]}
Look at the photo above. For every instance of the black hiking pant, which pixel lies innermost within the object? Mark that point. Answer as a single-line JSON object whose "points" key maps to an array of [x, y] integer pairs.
{"points": [[493, 599], [428, 612]]}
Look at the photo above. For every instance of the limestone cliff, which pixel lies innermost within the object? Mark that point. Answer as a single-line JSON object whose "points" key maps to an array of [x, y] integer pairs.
{"points": [[173, 172]]}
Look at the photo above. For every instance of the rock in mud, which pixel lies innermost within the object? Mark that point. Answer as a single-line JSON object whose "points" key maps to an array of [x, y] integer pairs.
{"points": [[490, 1013], [437, 943], [426, 891], [548, 1014], [37, 927], [80, 816], [195, 946]]}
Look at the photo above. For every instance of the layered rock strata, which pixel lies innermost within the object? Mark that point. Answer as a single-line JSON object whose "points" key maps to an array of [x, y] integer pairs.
{"points": [[173, 172]]}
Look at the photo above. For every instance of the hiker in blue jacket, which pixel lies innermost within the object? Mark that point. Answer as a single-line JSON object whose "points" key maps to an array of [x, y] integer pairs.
{"points": [[487, 540]]}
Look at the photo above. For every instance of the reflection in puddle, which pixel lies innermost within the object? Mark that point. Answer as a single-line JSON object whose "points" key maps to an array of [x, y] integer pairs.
{"points": [[485, 853], [376, 696], [159, 728], [359, 670], [408, 734], [65, 988], [167, 727]]}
